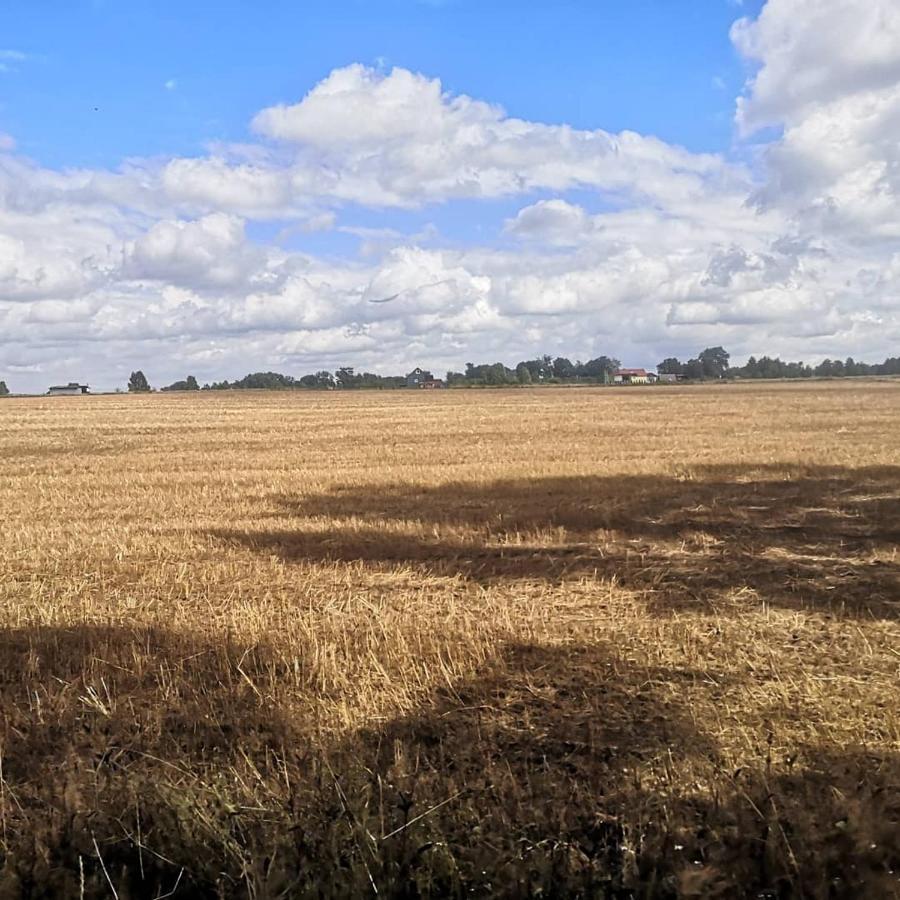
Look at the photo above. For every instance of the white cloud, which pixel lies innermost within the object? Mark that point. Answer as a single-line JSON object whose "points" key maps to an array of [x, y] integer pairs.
{"points": [[214, 184], [161, 264], [552, 221], [815, 51], [398, 139], [829, 76], [211, 252]]}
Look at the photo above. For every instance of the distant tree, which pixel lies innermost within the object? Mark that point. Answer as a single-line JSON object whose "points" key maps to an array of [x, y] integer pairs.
{"points": [[260, 381], [693, 368], [523, 373], [189, 384], [715, 362], [499, 374], [455, 378], [601, 368], [671, 366], [4, 390], [563, 368], [137, 383], [370, 380], [771, 367], [829, 368], [345, 378], [493, 374]]}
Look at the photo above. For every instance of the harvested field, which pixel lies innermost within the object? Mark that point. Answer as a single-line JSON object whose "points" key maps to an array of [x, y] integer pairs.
{"points": [[634, 642]]}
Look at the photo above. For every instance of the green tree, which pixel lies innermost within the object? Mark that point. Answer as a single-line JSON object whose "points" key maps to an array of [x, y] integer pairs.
{"points": [[602, 368], [693, 369], [563, 368], [715, 362], [523, 373], [487, 373], [671, 366], [189, 384], [4, 390], [137, 383], [345, 377]]}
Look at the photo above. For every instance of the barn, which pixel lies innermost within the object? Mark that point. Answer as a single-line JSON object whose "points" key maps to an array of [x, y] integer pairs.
{"points": [[420, 378], [72, 389]]}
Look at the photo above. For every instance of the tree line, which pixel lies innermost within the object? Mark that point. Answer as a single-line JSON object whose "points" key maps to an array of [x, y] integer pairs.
{"points": [[710, 364], [544, 369], [769, 367]]}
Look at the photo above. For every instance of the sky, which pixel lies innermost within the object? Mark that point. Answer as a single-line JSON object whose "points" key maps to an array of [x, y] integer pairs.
{"points": [[219, 188]]}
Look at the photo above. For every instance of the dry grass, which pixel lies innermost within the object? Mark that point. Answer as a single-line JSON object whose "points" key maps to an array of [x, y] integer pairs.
{"points": [[625, 643]]}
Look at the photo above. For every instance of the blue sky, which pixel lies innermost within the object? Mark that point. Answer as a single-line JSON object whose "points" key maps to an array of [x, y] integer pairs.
{"points": [[220, 187], [661, 67]]}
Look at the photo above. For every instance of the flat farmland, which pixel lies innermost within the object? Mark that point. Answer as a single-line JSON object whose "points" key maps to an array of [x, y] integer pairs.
{"points": [[636, 642]]}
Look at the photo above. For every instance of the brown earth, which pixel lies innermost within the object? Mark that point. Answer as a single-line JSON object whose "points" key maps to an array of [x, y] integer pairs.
{"points": [[637, 642]]}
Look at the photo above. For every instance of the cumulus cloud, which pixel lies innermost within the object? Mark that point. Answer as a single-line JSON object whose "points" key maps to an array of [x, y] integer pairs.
{"points": [[210, 252], [399, 139], [620, 243], [812, 52], [552, 221], [215, 184], [829, 76]]}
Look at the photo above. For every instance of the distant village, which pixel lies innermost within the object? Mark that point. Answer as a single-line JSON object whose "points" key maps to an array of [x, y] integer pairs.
{"points": [[418, 378], [712, 364]]}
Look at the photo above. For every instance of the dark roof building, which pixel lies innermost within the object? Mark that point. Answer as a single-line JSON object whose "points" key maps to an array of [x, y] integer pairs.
{"points": [[421, 378], [72, 389]]}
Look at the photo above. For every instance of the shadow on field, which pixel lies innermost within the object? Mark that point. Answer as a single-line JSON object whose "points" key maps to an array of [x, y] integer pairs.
{"points": [[150, 761], [110, 734], [570, 771], [813, 537]]}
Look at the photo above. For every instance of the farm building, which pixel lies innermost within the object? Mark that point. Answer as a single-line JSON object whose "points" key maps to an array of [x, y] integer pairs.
{"points": [[669, 378], [633, 376], [72, 389], [420, 378]]}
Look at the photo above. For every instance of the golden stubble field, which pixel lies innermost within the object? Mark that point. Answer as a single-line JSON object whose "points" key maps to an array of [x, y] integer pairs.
{"points": [[608, 642]]}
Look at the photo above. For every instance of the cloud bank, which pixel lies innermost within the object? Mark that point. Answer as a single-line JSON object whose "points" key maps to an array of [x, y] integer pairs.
{"points": [[621, 242]]}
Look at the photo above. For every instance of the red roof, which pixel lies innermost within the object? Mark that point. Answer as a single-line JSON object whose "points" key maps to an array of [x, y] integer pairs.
{"points": [[631, 372]]}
